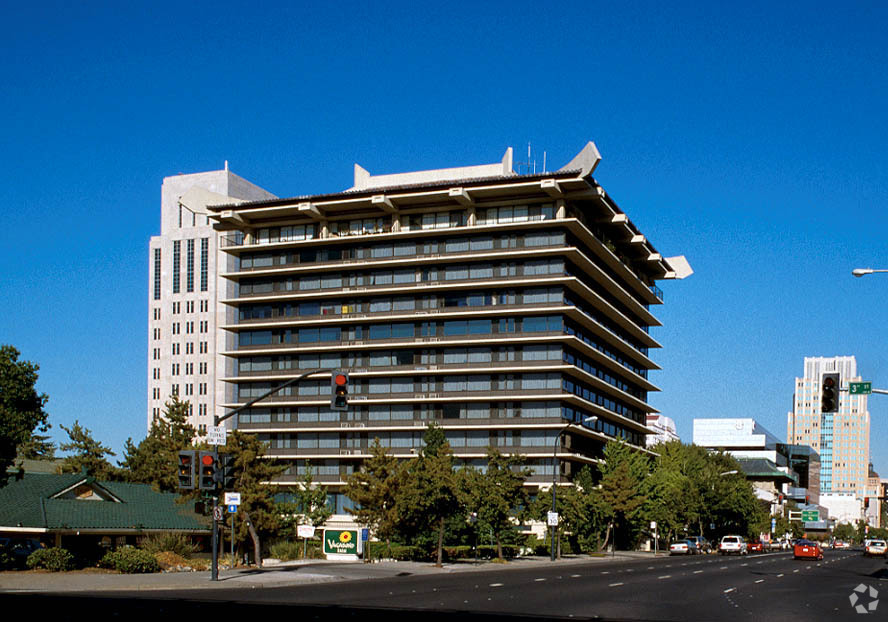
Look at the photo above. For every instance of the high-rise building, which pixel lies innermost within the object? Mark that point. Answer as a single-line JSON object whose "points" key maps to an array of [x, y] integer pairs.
{"points": [[841, 438], [183, 293], [512, 310], [662, 429]]}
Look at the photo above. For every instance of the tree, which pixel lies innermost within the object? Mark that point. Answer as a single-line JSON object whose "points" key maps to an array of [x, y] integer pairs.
{"points": [[309, 505], [153, 461], [21, 407], [428, 495], [38, 447], [252, 473], [497, 493], [89, 454], [374, 491], [620, 492]]}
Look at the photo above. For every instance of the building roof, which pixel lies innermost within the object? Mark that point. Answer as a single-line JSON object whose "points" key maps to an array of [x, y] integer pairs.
{"points": [[48, 502], [759, 468]]}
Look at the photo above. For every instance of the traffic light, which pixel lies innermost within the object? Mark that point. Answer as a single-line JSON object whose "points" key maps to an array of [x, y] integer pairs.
{"points": [[339, 386], [829, 393], [187, 469], [207, 470], [225, 472]]}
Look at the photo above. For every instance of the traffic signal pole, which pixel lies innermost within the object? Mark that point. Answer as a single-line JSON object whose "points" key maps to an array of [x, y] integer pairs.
{"points": [[214, 574], [217, 419]]}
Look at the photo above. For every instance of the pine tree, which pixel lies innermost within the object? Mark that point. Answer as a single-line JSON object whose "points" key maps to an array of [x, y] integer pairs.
{"points": [[153, 461], [21, 407], [374, 490], [89, 454]]}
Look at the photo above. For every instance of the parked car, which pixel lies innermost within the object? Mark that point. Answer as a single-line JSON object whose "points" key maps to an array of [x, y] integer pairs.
{"points": [[702, 543], [756, 547], [732, 544], [19, 550], [683, 547], [806, 549], [876, 548]]}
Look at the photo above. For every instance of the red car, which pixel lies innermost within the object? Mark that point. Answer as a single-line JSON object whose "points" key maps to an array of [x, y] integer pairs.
{"points": [[805, 549], [756, 547]]}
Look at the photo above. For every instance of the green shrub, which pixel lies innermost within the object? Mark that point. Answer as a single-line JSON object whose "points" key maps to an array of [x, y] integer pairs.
{"points": [[286, 550], [54, 559], [177, 543], [129, 560]]}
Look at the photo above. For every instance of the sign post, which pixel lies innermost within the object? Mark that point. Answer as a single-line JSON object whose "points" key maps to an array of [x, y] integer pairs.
{"points": [[305, 532]]}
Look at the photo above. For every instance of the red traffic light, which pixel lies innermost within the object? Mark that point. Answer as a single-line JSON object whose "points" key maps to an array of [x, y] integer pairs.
{"points": [[340, 379], [207, 459]]}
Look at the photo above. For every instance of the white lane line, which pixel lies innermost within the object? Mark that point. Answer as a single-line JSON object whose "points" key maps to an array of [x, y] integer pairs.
{"points": [[730, 589], [760, 581], [665, 576], [697, 571], [741, 565], [605, 572], [574, 576], [614, 584], [539, 580], [723, 568], [780, 575], [497, 584], [796, 570], [650, 567], [629, 570]]}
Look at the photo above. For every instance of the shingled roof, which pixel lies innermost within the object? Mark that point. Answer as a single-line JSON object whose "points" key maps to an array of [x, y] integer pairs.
{"points": [[50, 503]]}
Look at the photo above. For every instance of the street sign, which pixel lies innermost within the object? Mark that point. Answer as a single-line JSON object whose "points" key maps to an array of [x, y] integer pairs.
{"points": [[217, 435], [860, 388], [653, 525], [810, 515], [232, 498], [795, 515], [232, 509], [305, 531], [217, 513], [365, 535], [552, 519]]}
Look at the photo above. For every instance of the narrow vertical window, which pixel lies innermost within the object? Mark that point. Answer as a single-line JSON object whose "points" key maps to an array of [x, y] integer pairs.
{"points": [[177, 264], [189, 267], [156, 274], [204, 261]]}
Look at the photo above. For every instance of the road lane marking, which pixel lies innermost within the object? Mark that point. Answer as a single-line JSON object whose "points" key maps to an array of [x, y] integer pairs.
{"points": [[605, 572], [760, 581], [614, 584], [730, 589], [780, 575], [723, 568], [574, 576], [665, 576], [542, 579], [741, 565], [497, 584], [796, 570], [697, 571]]}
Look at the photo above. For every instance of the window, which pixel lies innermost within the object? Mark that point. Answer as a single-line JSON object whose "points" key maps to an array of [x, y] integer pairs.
{"points": [[177, 252], [157, 274], [189, 266], [204, 263]]}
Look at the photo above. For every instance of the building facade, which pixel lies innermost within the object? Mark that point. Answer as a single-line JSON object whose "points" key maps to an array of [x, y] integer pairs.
{"points": [[184, 344], [662, 430], [841, 438], [511, 310]]}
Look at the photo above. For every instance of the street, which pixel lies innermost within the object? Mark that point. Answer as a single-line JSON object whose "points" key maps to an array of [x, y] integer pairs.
{"points": [[757, 587]]}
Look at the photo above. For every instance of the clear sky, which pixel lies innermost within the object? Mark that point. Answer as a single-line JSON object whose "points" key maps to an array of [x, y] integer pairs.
{"points": [[751, 138]]}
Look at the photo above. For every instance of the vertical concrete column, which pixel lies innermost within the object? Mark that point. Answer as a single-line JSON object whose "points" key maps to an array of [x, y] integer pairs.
{"points": [[560, 209]]}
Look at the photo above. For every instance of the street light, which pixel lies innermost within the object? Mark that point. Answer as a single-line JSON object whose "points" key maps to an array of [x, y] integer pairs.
{"points": [[732, 472], [555, 475], [858, 272]]}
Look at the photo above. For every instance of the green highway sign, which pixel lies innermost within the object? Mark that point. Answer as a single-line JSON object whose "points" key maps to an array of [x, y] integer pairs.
{"points": [[860, 388], [810, 515]]}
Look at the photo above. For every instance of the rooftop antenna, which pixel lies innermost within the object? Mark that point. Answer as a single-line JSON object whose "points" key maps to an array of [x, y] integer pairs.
{"points": [[530, 164], [226, 165]]}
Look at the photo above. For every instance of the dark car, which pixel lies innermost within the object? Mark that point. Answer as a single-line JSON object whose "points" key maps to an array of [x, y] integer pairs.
{"points": [[19, 550], [703, 545]]}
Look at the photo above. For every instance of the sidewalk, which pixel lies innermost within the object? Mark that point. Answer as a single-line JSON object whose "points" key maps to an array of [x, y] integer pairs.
{"points": [[270, 575]]}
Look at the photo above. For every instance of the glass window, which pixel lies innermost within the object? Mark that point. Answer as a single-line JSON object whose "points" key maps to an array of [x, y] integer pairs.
{"points": [[453, 273], [405, 276], [459, 245], [481, 244]]}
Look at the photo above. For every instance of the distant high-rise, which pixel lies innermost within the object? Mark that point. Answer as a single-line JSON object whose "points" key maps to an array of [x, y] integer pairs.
{"points": [[183, 307], [841, 438]]}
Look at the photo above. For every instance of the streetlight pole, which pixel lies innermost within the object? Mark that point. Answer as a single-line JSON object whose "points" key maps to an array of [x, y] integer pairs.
{"points": [[555, 476], [859, 272]]}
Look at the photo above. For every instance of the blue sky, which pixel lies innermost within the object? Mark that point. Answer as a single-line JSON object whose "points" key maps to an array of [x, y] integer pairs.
{"points": [[749, 138]]}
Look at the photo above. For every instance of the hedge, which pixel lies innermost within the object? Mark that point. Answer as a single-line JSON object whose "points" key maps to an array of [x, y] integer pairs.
{"points": [[129, 560], [54, 559]]}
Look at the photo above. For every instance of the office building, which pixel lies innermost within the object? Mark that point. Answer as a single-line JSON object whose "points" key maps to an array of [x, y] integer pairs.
{"points": [[183, 292], [842, 438], [662, 430], [502, 307]]}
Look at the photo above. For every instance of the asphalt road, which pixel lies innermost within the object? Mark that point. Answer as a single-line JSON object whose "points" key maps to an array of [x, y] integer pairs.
{"points": [[758, 587]]}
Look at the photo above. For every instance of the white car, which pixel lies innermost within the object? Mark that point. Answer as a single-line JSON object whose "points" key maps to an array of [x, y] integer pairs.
{"points": [[732, 544], [875, 547]]}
